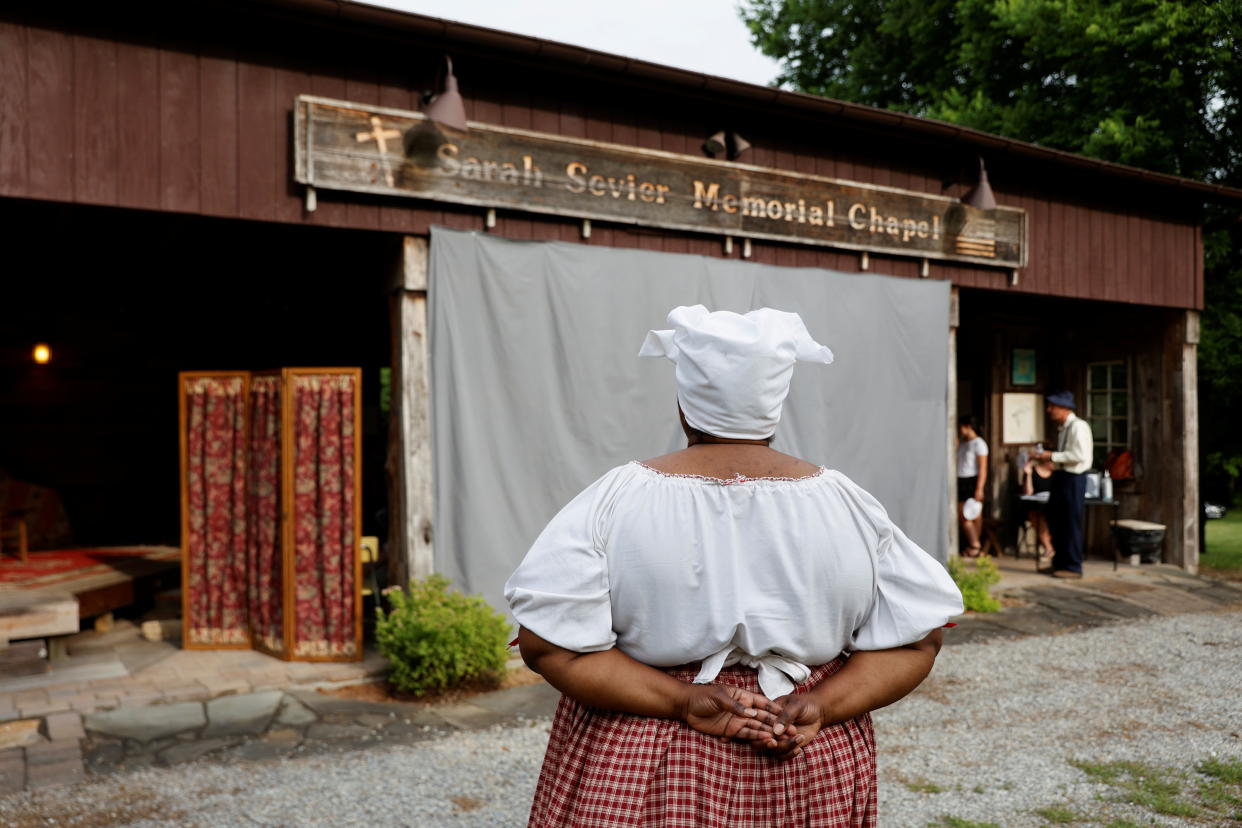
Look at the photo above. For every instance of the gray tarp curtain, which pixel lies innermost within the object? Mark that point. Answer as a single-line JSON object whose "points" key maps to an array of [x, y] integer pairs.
{"points": [[537, 388]]}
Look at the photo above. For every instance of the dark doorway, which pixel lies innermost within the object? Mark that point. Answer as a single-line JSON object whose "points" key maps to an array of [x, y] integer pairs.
{"points": [[125, 299]]}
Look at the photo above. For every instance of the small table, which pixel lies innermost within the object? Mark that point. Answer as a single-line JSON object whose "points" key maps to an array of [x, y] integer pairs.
{"points": [[1092, 506]]}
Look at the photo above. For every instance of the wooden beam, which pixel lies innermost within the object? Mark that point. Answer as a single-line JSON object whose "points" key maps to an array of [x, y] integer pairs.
{"points": [[414, 263], [951, 416], [412, 500], [1187, 391]]}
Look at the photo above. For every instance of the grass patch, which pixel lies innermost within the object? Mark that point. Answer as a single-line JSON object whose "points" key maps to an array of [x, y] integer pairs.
{"points": [[1147, 786], [1224, 542], [1222, 799], [1060, 816], [1108, 773], [1228, 772], [948, 821], [923, 786], [1213, 792], [1122, 823]]}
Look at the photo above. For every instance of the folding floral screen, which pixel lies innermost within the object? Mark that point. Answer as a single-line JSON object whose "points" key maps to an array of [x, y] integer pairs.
{"points": [[270, 505]]}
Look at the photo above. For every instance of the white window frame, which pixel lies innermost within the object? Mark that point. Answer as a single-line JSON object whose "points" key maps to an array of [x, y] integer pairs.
{"points": [[1104, 442]]}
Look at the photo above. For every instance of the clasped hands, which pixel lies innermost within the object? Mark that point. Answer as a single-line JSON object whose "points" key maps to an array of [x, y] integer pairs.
{"points": [[781, 727]]}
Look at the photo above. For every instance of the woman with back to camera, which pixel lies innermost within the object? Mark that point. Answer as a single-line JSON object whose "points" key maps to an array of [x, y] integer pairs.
{"points": [[721, 620]]}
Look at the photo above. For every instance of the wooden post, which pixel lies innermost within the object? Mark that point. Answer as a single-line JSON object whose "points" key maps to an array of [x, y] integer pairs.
{"points": [[411, 493], [951, 415], [1184, 527]]}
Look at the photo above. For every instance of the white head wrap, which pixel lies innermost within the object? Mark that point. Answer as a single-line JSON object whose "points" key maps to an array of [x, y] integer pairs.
{"points": [[733, 370]]}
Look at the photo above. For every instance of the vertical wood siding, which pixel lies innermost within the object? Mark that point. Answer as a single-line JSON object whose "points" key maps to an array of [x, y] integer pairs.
{"points": [[205, 128]]}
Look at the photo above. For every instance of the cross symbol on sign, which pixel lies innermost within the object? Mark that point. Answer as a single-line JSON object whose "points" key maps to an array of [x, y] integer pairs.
{"points": [[380, 136]]}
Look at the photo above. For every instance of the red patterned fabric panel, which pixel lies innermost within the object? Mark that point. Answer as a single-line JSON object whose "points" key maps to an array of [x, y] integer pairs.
{"points": [[215, 482], [323, 509], [605, 769], [265, 584]]}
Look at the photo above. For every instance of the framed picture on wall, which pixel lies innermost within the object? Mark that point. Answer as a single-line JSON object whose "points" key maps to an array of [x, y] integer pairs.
{"points": [[1022, 366], [1022, 418]]}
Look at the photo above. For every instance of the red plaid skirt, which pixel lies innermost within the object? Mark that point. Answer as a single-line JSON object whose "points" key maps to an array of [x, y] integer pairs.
{"points": [[610, 769]]}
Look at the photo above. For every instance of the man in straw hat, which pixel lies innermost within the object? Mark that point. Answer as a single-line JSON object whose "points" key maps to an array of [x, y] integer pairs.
{"points": [[1067, 498]]}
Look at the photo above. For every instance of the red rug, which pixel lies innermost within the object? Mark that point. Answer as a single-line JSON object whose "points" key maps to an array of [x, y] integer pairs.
{"points": [[59, 565]]}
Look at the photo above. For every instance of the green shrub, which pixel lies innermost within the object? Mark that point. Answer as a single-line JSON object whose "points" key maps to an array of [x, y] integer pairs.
{"points": [[974, 581], [437, 638]]}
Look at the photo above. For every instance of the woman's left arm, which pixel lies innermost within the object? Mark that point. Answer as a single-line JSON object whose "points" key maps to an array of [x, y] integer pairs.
{"points": [[611, 680], [981, 461], [870, 679]]}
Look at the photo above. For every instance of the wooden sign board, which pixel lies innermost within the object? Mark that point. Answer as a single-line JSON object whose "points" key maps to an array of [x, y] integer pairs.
{"points": [[362, 148]]}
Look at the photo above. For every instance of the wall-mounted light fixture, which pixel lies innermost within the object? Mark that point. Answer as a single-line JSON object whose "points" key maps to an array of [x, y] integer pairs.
{"points": [[447, 108], [740, 145], [729, 144], [981, 195], [715, 144], [42, 353]]}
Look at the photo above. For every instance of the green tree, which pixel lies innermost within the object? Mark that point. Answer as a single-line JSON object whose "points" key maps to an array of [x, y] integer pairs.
{"points": [[1150, 83]]}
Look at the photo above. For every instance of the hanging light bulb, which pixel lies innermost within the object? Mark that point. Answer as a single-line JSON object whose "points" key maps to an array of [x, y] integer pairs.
{"points": [[42, 353]]}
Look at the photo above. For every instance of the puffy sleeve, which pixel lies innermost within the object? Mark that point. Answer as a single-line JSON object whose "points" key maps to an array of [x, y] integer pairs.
{"points": [[914, 593], [560, 590]]}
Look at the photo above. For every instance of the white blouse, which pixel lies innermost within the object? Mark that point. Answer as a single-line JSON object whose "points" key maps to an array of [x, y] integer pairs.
{"points": [[774, 573], [968, 454]]}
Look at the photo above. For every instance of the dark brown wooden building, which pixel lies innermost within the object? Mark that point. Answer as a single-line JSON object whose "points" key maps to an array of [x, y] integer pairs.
{"points": [[151, 197]]}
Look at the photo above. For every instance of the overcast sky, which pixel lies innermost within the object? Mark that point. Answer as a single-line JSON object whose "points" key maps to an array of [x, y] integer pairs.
{"points": [[703, 35]]}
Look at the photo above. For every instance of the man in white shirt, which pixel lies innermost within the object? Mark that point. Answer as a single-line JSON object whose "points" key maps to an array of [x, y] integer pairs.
{"points": [[1066, 501]]}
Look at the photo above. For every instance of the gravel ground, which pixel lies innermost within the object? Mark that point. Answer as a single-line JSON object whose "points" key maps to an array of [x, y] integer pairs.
{"points": [[989, 738]]}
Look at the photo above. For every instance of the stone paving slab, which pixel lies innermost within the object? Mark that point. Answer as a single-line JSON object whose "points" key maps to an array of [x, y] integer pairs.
{"points": [[145, 724], [1119, 586], [295, 714], [46, 753], [1024, 621], [19, 733], [468, 716], [63, 726], [12, 771], [325, 705], [328, 731], [190, 751], [533, 700], [250, 713], [68, 674], [67, 771], [1164, 600]]}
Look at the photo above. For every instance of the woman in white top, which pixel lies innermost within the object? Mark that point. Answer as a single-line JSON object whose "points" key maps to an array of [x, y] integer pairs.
{"points": [[972, 474], [722, 619]]}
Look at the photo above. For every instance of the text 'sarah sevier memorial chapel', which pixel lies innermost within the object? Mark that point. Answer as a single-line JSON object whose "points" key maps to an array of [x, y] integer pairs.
{"points": [[312, 271]]}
